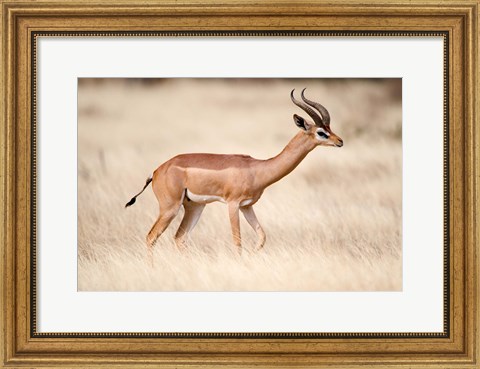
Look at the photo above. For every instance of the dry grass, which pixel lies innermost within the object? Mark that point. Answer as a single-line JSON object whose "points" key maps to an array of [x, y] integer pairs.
{"points": [[333, 224]]}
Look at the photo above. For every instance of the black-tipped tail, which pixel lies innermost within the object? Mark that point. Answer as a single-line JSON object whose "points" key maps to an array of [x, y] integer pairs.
{"points": [[134, 198], [131, 202]]}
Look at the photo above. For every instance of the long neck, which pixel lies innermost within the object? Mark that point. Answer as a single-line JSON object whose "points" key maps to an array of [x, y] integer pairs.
{"points": [[279, 166]]}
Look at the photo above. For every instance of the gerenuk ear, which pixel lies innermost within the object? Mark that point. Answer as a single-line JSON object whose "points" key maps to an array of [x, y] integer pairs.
{"points": [[300, 122]]}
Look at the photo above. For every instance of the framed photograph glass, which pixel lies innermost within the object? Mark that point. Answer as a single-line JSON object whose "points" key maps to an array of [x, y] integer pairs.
{"points": [[334, 145]]}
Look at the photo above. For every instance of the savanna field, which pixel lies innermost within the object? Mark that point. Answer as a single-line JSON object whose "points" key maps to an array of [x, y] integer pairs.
{"points": [[333, 224]]}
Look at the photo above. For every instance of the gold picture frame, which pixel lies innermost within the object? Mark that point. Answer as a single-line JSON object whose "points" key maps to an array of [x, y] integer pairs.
{"points": [[22, 21]]}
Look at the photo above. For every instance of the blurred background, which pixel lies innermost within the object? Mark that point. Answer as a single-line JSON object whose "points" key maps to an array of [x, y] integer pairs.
{"points": [[333, 224]]}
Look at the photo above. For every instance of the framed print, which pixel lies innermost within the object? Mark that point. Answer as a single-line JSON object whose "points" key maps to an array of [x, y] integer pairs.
{"points": [[230, 184]]}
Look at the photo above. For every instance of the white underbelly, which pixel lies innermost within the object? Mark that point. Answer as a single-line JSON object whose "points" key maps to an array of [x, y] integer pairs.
{"points": [[246, 202], [204, 199]]}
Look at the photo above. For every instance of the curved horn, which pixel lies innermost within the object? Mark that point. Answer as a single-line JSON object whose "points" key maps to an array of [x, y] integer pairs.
{"points": [[323, 112], [313, 114]]}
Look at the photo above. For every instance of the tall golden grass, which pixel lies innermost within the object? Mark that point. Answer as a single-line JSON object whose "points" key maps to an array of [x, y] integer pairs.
{"points": [[333, 224]]}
